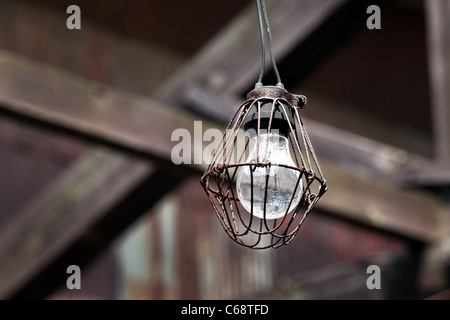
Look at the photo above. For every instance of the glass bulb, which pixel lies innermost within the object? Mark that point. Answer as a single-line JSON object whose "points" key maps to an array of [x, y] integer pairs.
{"points": [[281, 180]]}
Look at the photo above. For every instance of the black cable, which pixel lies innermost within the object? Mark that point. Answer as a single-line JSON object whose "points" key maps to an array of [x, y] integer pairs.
{"points": [[264, 28], [263, 43], [269, 38]]}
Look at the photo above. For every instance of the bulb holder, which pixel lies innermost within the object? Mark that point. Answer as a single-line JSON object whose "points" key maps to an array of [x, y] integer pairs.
{"points": [[268, 109], [269, 114]]}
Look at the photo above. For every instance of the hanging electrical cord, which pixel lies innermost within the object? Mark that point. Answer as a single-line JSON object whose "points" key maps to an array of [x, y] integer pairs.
{"points": [[264, 28], [263, 44]]}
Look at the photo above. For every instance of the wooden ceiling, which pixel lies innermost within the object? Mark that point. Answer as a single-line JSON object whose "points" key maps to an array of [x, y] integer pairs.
{"points": [[359, 83]]}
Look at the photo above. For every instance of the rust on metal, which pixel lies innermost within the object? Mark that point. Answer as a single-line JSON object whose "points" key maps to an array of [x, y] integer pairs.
{"points": [[266, 110], [274, 92]]}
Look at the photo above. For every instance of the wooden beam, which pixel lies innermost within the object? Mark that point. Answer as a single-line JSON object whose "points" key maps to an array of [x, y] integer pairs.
{"points": [[230, 63], [438, 23], [92, 52], [381, 205], [61, 213], [360, 154], [437, 175], [74, 219], [90, 111], [434, 177]]}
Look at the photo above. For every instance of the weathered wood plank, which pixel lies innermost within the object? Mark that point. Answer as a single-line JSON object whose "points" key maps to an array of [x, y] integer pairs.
{"points": [[39, 32], [437, 175], [381, 205], [91, 111], [363, 155]]}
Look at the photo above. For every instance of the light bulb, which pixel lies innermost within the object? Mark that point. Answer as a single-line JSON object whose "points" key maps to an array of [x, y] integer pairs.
{"points": [[281, 181]]}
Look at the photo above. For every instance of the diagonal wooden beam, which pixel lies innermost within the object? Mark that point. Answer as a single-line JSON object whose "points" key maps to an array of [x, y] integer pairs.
{"points": [[71, 203], [380, 205], [230, 62], [75, 218], [360, 154], [95, 113], [438, 27]]}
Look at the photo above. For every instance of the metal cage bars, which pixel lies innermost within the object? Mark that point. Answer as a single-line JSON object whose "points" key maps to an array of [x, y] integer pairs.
{"points": [[231, 157]]}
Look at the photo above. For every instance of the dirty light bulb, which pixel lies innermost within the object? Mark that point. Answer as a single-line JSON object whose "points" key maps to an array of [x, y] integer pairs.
{"points": [[281, 181]]}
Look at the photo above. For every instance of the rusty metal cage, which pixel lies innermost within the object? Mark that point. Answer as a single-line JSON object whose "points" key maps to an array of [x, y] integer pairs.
{"points": [[264, 177]]}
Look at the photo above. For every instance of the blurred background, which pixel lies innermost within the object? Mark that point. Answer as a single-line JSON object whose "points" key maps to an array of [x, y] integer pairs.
{"points": [[86, 122]]}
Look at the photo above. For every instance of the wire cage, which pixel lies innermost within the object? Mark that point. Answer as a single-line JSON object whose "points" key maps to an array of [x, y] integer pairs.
{"points": [[264, 177]]}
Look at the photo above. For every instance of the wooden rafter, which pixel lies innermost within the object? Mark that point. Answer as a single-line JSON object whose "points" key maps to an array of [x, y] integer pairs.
{"points": [[90, 111], [438, 27]]}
